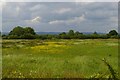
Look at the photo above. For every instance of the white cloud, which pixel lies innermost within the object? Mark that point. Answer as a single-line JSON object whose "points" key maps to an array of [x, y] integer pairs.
{"points": [[34, 20], [56, 22], [75, 20], [62, 10]]}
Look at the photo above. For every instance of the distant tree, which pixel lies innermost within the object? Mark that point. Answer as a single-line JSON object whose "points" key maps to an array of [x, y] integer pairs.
{"points": [[49, 36], [29, 30], [23, 33], [63, 35], [17, 31], [0, 33], [12, 37], [95, 33], [78, 35], [103, 36], [118, 35], [27, 36], [71, 32], [43, 37], [4, 36], [112, 33]]}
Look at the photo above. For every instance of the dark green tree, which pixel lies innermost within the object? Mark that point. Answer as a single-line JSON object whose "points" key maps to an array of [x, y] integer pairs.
{"points": [[95, 33], [78, 35], [27, 36], [17, 31], [112, 33], [63, 35], [29, 30], [71, 32], [23, 33]]}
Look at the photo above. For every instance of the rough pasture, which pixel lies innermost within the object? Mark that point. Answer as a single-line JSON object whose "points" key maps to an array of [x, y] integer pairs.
{"points": [[58, 58]]}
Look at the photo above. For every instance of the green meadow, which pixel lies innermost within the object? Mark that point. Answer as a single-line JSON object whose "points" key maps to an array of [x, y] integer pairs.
{"points": [[75, 58]]}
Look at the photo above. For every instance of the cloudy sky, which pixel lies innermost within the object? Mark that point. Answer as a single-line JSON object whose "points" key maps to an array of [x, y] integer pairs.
{"points": [[61, 16]]}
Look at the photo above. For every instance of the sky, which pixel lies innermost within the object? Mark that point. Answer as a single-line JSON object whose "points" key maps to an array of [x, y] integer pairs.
{"points": [[61, 16]]}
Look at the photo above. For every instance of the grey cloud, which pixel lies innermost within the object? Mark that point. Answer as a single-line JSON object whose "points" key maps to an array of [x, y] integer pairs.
{"points": [[97, 16]]}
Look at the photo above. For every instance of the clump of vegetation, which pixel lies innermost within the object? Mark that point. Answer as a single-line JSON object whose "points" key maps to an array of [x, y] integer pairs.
{"points": [[112, 76], [21, 33], [113, 73]]}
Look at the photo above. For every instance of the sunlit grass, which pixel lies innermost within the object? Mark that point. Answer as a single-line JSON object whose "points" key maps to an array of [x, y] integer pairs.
{"points": [[58, 58]]}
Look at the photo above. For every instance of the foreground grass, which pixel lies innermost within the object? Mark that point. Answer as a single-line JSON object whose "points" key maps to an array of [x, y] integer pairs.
{"points": [[58, 58]]}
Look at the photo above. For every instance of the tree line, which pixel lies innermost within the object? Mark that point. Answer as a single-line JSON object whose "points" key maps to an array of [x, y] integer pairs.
{"points": [[29, 33]]}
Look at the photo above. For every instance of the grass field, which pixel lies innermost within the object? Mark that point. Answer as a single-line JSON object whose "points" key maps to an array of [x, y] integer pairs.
{"points": [[58, 58]]}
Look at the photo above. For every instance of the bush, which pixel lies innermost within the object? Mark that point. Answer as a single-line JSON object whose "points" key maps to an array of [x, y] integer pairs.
{"points": [[27, 36], [13, 37], [22, 33]]}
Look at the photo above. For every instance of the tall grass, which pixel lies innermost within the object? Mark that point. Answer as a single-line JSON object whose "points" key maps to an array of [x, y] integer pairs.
{"points": [[112, 71], [58, 59]]}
